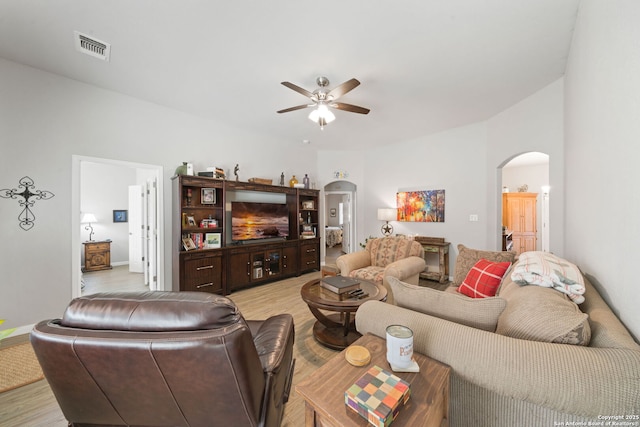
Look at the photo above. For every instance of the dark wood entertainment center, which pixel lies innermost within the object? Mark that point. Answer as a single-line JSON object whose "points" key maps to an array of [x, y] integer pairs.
{"points": [[205, 217]]}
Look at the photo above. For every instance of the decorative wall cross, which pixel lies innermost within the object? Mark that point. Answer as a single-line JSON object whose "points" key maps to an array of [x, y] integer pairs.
{"points": [[26, 217]]}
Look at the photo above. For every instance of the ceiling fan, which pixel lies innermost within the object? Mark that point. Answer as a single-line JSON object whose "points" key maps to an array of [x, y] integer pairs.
{"points": [[323, 98]]}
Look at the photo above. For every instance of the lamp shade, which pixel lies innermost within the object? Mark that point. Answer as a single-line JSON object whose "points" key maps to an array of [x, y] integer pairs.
{"points": [[387, 214], [322, 115], [88, 217]]}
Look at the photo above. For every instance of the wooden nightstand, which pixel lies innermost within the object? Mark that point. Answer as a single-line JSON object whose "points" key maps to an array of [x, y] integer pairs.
{"points": [[97, 255]]}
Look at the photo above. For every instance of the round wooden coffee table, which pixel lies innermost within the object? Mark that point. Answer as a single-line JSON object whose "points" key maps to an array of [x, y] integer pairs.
{"points": [[337, 330]]}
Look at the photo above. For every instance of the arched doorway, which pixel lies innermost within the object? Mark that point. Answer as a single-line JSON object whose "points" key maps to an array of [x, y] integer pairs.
{"points": [[529, 173], [339, 218]]}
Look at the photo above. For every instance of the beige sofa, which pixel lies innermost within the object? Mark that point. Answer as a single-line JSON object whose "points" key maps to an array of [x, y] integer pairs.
{"points": [[385, 257], [550, 362]]}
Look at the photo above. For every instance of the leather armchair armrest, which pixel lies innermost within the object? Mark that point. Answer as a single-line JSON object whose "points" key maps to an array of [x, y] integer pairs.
{"points": [[353, 261], [272, 340]]}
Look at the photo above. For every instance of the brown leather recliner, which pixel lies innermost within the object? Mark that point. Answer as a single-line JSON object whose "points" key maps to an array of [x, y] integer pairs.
{"points": [[166, 359]]}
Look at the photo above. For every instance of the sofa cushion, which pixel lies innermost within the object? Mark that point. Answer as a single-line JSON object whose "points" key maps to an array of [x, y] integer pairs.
{"points": [[483, 279], [467, 258], [371, 273], [542, 314], [477, 313], [386, 250]]}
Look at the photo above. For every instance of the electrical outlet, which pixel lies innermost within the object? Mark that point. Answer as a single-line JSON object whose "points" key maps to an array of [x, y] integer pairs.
{"points": [[473, 218]]}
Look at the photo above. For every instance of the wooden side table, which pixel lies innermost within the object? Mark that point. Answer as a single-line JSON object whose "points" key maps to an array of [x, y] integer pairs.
{"points": [[97, 255], [323, 390], [337, 330], [436, 245]]}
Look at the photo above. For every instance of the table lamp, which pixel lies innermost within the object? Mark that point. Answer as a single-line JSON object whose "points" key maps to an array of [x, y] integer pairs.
{"points": [[89, 218], [387, 214]]}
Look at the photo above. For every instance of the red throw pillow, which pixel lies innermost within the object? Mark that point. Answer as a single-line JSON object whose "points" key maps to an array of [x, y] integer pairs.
{"points": [[483, 279]]}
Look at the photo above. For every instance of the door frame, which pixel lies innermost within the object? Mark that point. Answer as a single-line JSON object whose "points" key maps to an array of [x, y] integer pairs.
{"points": [[76, 164], [343, 188], [542, 216]]}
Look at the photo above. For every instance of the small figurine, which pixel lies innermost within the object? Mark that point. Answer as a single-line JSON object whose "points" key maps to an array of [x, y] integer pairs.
{"points": [[282, 179], [235, 171]]}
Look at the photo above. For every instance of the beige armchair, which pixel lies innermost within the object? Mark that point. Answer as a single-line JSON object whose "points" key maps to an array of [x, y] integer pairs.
{"points": [[385, 257]]}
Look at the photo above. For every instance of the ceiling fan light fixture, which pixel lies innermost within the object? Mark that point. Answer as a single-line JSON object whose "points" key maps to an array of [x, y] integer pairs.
{"points": [[323, 99], [322, 115]]}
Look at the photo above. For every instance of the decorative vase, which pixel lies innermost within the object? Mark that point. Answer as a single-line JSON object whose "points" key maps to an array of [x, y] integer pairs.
{"points": [[305, 181], [182, 169], [293, 181]]}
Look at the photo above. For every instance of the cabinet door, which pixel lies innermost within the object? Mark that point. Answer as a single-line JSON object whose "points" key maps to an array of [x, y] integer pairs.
{"points": [[289, 260], [528, 211], [239, 271], [528, 242], [514, 214], [203, 274], [273, 262]]}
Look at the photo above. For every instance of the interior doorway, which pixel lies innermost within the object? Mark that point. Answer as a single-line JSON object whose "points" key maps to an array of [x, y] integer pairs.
{"points": [[529, 173], [146, 175], [339, 219]]}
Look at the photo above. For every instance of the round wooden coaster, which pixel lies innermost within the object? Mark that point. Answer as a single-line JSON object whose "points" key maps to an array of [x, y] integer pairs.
{"points": [[357, 355]]}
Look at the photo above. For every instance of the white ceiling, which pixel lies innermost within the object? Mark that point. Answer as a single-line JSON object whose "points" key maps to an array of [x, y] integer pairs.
{"points": [[425, 65]]}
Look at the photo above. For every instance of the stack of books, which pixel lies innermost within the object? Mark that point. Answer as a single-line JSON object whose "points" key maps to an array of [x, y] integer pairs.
{"points": [[377, 396], [340, 284]]}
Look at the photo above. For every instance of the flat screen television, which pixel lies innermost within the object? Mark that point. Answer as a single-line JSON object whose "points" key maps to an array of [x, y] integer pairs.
{"points": [[253, 221]]}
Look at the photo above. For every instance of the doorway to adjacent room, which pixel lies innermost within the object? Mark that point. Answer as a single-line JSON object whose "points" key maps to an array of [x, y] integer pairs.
{"points": [[144, 213], [339, 219]]}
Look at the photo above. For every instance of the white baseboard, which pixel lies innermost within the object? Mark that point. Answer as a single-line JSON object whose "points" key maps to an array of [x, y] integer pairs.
{"points": [[117, 264]]}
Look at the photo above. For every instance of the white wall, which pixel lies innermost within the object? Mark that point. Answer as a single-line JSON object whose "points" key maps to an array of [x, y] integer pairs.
{"points": [[453, 160], [603, 151], [46, 119], [534, 124], [534, 176]]}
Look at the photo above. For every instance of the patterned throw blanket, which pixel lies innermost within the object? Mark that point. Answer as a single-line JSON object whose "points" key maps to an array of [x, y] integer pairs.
{"points": [[545, 269]]}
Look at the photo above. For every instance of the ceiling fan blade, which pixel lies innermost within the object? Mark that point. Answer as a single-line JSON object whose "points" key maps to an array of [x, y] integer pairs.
{"points": [[345, 87], [297, 107], [349, 107], [298, 89]]}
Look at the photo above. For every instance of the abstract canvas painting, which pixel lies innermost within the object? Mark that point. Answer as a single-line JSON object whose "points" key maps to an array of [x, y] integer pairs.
{"points": [[421, 206]]}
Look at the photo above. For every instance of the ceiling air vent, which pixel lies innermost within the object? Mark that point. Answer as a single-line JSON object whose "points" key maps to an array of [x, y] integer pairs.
{"points": [[92, 46]]}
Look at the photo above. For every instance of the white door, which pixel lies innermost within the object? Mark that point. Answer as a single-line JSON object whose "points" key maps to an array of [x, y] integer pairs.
{"points": [[136, 256], [545, 221], [152, 234], [346, 226]]}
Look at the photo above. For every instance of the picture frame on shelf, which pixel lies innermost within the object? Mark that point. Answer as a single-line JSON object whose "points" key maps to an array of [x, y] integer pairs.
{"points": [[191, 221], [208, 196], [308, 204], [120, 215], [188, 244], [213, 240]]}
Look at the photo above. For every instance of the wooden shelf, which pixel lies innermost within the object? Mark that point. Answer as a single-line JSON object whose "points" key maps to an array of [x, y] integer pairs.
{"points": [[234, 266]]}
